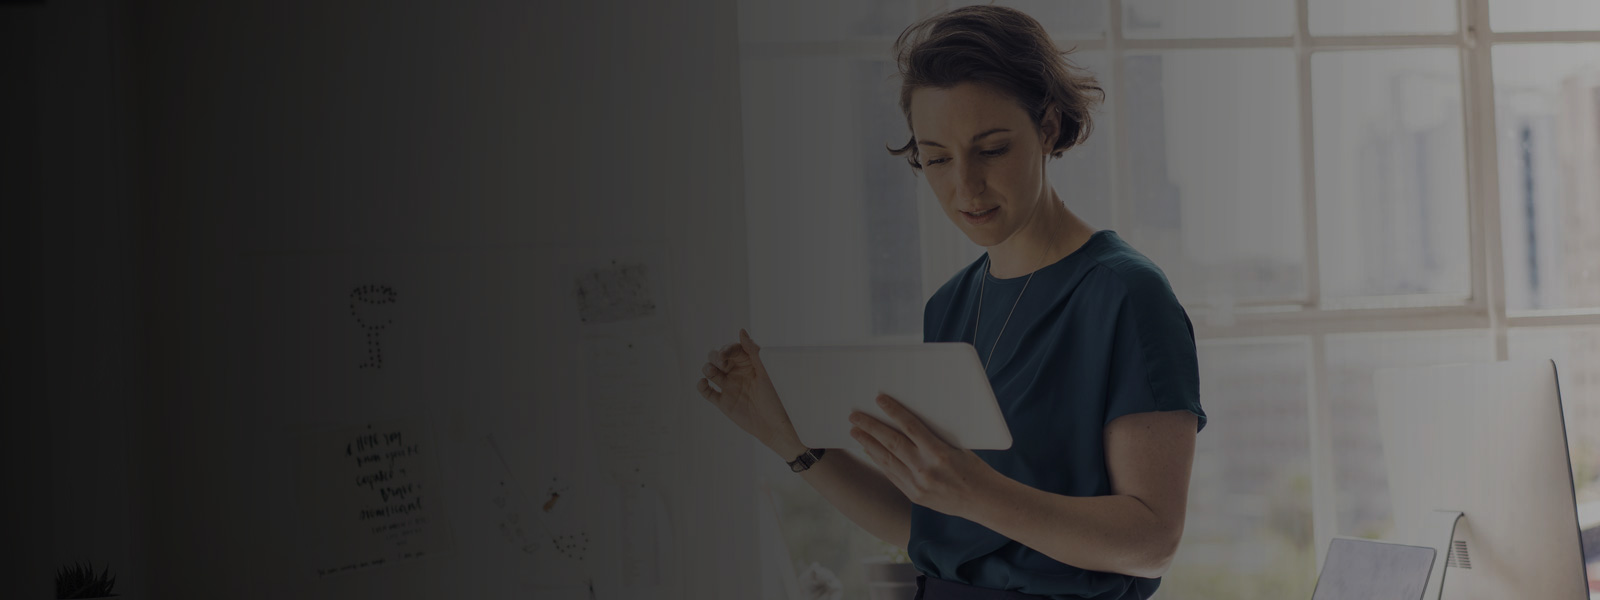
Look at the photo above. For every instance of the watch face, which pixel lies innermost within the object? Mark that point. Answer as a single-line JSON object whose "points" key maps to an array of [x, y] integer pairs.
{"points": [[802, 463]]}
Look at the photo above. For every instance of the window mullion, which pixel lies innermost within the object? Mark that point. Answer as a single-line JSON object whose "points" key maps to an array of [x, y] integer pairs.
{"points": [[1319, 411], [1577, 317], [1483, 180], [1308, 164], [1537, 37], [1120, 207], [1324, 514]]}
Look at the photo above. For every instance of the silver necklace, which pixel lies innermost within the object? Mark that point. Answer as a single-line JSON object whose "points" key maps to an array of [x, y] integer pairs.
{"points": [[979, 316]]}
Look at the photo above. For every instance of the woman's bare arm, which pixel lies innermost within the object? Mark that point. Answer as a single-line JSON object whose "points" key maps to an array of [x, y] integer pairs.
{"points": [[1136, 530], [737, 383]]}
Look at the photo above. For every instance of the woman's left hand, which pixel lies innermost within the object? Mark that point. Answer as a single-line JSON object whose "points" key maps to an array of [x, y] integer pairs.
{"points": [[929, 471]]}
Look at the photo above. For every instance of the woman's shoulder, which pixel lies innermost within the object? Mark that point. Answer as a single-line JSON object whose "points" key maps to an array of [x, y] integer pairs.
{"points": [[1125, 271]]}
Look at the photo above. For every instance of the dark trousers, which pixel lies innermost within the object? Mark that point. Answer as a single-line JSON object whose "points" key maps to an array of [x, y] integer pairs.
{"points": [[933, 588]]}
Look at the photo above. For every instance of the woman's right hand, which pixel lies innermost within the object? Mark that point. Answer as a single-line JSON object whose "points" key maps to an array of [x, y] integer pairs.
{"points": [[746, 394]]}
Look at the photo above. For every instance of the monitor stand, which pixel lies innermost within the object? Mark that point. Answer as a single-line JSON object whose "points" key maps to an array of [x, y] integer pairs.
{"points": [[1438, 531]]}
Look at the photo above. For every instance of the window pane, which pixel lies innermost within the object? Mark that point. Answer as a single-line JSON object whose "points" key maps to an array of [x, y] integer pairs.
{"points": [[1577, 355], [1209, 19], [1360, 482], [1366, 17], [1082, 176], [1214, 186], [1547, 112], [1391, 185], [1249, 513], [1062, 18], [765, 21], [833, 231], [1543, 15]]}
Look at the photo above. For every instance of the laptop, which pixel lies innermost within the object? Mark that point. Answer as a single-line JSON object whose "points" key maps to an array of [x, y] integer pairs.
{"points": [[1358, 569]]}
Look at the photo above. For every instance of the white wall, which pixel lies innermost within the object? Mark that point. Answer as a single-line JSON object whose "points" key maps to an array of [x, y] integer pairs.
{"points": [[421, 138]]}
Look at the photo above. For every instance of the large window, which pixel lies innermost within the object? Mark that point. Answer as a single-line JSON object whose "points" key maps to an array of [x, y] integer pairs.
{"points": [[1332, 186]]}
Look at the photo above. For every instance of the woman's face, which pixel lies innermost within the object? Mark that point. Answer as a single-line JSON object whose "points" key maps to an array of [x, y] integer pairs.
{"points": [[983, 157]]}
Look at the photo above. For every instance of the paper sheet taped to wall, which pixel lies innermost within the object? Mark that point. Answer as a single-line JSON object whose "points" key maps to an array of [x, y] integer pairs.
{"points": [[368, 497]]}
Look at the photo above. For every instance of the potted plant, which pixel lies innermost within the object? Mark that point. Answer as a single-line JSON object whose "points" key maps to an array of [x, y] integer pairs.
{"points": [[891, 576], [79, 581]]}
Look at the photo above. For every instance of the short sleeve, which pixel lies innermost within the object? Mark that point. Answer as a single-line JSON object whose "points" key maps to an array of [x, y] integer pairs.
{"points": [[1154, 365]]}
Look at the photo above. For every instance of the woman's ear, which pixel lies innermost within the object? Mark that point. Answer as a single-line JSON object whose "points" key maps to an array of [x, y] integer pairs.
{"points": [[1050, 128]]}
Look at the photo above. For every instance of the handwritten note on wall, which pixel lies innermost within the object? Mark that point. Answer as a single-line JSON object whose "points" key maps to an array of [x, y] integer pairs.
{"points": [[368, 497]]}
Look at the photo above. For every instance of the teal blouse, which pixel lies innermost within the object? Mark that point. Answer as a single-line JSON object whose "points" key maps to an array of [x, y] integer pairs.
{"points": [[1098, 335]]}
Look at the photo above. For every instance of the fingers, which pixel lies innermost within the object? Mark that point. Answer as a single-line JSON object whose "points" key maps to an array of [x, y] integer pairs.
{"points": [[880, 432], [716, 375], [709, 393], [909, 422], [719, 356], [890, 463], [754, 350], [728, 351], [716, 367]]}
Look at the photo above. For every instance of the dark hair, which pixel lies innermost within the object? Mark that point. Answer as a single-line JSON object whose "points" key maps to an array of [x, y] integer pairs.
{"points": [[1001, 47]]}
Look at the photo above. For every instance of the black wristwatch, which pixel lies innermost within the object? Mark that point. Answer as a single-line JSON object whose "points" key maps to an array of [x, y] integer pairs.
{"points": [[806, 459]]}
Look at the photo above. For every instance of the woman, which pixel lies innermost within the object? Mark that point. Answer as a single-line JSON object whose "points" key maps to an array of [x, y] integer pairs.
{"points": [[1089, 353]]}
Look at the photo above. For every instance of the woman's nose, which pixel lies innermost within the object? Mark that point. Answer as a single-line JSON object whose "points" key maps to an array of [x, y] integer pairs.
{"points": [[971, 181]]}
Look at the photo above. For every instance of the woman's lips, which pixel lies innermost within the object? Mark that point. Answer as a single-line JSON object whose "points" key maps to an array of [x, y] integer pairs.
{"points": [[981, 217]]}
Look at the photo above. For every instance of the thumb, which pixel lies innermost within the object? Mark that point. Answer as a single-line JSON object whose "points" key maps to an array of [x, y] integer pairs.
{"points": [[751, 348]]}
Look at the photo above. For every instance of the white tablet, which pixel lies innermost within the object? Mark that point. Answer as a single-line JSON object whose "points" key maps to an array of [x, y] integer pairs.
{"points": [[943, 383]]}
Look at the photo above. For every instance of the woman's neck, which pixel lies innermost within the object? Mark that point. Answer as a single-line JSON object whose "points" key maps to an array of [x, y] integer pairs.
{"points": [[1048, 237]]}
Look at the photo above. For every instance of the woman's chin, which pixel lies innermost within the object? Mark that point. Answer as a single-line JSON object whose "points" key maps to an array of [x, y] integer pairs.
{"points": [[981, 239]]}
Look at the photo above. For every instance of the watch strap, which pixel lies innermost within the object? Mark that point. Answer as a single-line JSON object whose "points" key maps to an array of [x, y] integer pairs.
{"points": [[806, 459]]}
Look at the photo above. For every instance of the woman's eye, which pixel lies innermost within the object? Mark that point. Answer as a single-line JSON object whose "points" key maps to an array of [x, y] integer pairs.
{"points": [[935, 161], [996, 151]]}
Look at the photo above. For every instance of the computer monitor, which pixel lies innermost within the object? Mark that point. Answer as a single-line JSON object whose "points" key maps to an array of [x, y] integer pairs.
{"points": [[1487, 440]]}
